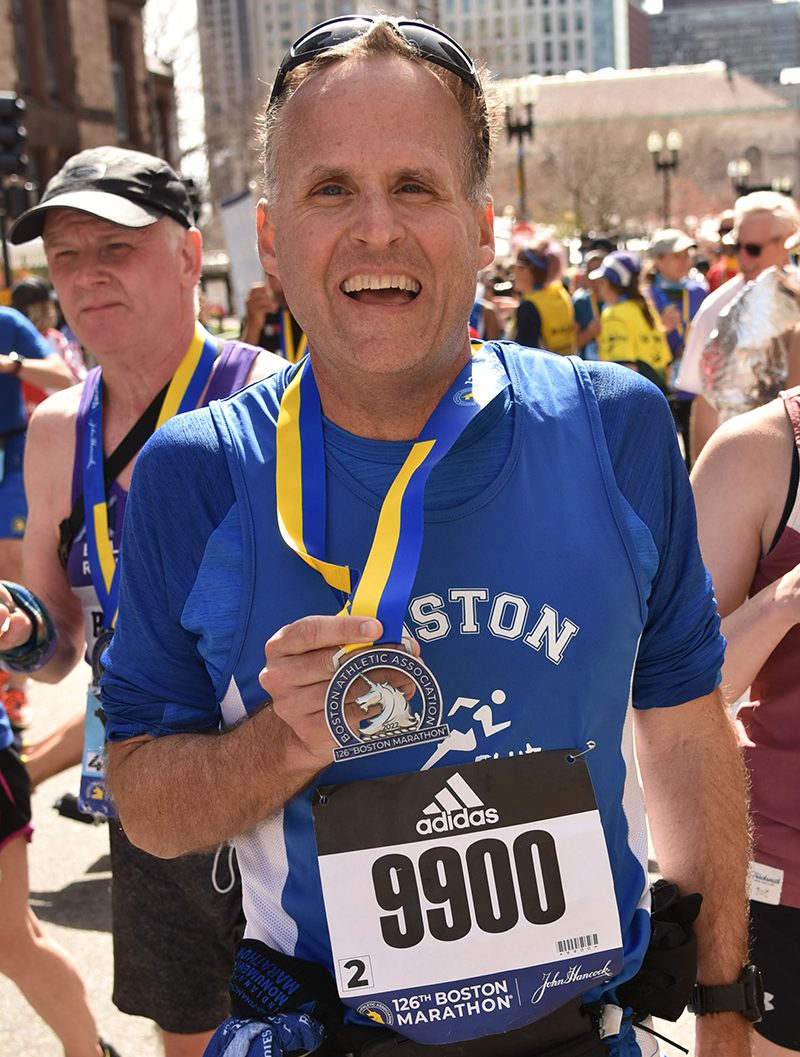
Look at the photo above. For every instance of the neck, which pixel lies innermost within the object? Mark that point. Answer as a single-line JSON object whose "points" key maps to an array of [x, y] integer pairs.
{"points": [[131, 378], [395, 407]]}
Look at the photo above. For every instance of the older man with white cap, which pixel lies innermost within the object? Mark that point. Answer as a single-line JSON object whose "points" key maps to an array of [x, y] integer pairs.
{"points": [[125, 258], [764, 222]]}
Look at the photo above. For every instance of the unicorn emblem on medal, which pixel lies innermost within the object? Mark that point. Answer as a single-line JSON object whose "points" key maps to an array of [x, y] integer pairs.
{"points": [[399, 695], [395, 711]]}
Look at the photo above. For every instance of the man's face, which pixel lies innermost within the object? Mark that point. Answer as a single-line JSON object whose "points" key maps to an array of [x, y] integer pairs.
{"points": [[119, 286], [674, 266], [371, 234], [759, 231]]}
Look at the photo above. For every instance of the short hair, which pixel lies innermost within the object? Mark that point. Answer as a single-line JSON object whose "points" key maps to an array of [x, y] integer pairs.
{"points": [[481, 114], [782, 208]]}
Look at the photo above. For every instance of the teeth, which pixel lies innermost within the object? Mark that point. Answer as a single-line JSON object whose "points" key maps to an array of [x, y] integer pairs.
{"points": [[380, 282]]}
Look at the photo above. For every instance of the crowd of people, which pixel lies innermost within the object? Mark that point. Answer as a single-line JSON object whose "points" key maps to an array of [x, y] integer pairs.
{"points": [[399, 594]]}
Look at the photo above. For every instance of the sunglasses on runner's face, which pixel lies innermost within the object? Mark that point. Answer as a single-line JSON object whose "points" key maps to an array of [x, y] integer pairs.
{"points": [[753, 249], [427, 41]]}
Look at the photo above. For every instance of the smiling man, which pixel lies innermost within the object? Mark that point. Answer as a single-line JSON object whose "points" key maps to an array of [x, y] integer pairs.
{"points": [[430, 783]]}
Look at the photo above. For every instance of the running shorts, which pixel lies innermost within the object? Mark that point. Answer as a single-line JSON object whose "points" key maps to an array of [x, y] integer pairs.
{"points": [[775, 945], [174, 934], [15, 797]]}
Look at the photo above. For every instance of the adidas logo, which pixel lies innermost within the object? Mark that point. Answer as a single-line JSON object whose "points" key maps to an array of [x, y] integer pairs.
{"points": [[457, 806]]}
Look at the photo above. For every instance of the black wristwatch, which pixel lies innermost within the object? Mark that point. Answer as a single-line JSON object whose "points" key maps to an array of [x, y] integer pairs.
{"points": [[746, 996]]}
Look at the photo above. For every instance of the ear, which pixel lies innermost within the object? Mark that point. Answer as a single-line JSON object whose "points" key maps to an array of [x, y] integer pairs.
{"points": [[192, 257], [486, 245], [266, 238]]}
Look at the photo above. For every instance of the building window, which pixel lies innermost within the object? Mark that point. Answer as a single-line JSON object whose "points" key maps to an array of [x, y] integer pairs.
{"points": [[547, 26], [564, 50], [532, 52], [120, 65]]}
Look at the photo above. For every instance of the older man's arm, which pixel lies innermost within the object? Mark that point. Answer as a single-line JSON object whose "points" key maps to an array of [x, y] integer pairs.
{"points": [[695, 792]]}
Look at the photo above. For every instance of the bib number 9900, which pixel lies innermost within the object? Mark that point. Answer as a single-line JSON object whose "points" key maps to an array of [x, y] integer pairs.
{"points": [[443, 877]]}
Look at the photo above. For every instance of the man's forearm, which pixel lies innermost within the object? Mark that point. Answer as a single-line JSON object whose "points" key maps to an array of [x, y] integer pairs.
{"points": [[695, 789], [186, 792]]}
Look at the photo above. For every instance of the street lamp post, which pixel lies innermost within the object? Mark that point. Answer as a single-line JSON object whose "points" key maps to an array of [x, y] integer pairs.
{"points": [[665, 163], [520, 96], [739, 171]]}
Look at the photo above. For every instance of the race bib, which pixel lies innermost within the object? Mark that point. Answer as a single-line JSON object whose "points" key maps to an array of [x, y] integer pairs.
{"points": [[94, 797], [467, 901]]}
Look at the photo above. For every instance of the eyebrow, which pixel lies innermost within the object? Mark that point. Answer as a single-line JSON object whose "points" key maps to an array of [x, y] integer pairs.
{"points": [[321, 173]]}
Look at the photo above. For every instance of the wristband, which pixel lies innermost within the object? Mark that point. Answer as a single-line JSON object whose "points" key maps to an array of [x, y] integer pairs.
{"points": [[41, 644]]}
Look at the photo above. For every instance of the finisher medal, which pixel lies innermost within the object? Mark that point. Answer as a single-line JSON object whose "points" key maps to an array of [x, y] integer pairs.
{"points": [[383, 698]]}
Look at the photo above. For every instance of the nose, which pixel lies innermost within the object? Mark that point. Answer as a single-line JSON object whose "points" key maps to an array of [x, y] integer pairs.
{"points": [[377, 223], [88, 270]]}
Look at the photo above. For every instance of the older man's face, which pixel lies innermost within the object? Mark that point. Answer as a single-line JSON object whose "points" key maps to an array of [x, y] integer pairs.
{"points": [[758, 231], [119, 286]]}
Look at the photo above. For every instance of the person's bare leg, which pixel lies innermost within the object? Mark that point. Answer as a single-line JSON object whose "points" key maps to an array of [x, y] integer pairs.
{"points": [[185, 1045], [56, 751], [43, 971]]}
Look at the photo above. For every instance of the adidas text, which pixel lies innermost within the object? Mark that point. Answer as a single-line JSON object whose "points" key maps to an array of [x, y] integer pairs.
{"points": [[456, 820]]}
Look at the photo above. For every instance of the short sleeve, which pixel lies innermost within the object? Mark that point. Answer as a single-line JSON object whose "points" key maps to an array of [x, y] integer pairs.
{"points": [[156, 681], [681, 650], [24, 338]]}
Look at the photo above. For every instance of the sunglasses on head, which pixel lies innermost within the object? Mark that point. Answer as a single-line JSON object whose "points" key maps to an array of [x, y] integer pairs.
{"points": [[427, 41], [753, 249]]}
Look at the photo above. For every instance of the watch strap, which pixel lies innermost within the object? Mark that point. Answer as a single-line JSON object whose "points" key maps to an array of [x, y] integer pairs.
{"points": [[745, 996]]}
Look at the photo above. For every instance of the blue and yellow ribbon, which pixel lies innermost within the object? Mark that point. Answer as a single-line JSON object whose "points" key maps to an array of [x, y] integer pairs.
{"points": [[183, 394], [291, 352], [384, 587]]}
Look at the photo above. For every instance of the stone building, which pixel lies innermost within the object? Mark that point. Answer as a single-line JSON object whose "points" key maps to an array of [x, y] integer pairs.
{"points": [[588, 165], [80, 66]]}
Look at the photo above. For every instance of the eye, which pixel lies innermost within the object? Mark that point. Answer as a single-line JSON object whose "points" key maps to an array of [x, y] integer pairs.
{"points": [[413, 188], [330, 190]]}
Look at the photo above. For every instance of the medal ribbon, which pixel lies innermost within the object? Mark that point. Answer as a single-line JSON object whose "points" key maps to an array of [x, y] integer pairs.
{"points": [[290, 353], [383, 589], [183, 394]]}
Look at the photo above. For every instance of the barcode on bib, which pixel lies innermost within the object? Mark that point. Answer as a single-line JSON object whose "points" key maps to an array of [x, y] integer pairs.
{"points": [[578, 943]]}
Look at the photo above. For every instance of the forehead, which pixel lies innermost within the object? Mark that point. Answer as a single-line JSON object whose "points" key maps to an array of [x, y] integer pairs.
{"points": [[64, 223], [756, 225], [355, 108]]}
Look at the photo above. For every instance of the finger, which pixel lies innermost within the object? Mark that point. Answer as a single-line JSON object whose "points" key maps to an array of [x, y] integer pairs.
{"points": [[321, 633], [285, 672]]}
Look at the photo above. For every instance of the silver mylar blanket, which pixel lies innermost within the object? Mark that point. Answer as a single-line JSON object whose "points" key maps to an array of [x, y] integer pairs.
{"points": [[745, 361]]}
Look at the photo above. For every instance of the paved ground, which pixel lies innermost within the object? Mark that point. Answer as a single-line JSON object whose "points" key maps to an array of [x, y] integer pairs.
{"points": [[70, 885]]}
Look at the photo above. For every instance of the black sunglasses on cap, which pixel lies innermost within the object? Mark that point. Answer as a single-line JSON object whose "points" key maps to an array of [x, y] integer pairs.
{"points": [[753, 249], [429, 43]]}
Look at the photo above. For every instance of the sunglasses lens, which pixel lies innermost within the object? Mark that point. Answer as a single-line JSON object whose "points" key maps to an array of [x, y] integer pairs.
{"points": [[437, 47], [328, 35], [430, 43]]}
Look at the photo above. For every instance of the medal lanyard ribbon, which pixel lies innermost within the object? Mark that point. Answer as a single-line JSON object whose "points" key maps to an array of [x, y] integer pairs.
{"points": [[183, 394], [290, 352], [384, 587]]}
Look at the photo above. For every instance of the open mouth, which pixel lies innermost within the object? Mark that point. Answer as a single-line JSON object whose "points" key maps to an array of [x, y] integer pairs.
{"points": [[381, 289]]}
